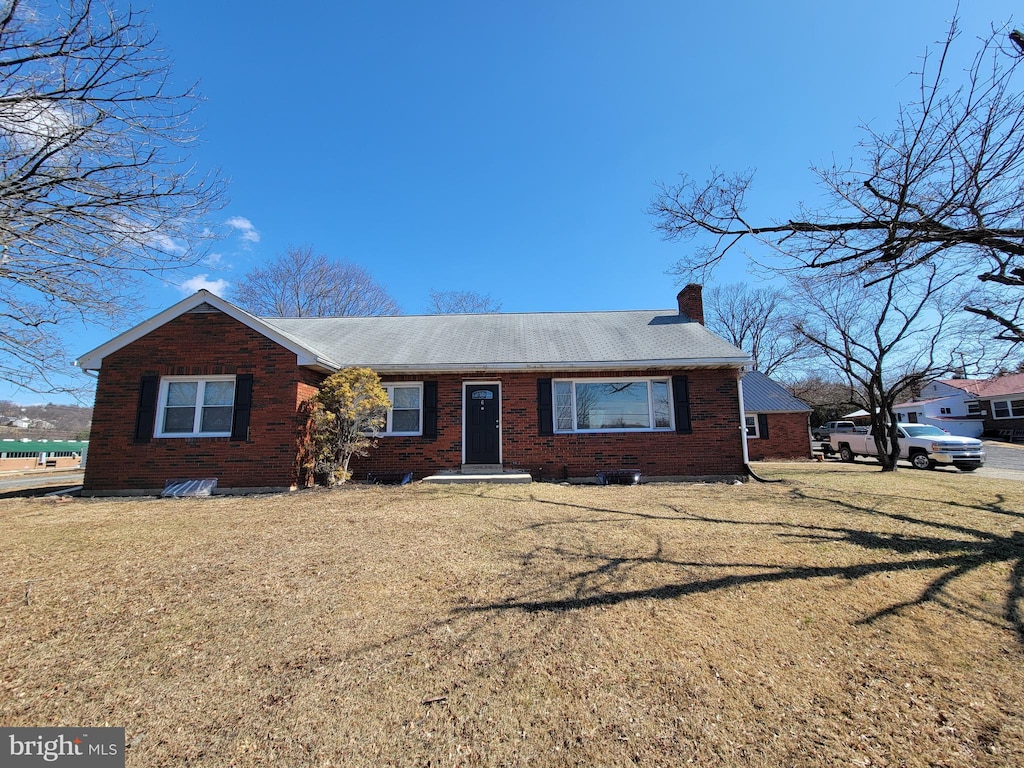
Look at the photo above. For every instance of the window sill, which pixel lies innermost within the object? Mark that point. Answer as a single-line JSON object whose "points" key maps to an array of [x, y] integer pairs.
{"points": [[641, 430]]}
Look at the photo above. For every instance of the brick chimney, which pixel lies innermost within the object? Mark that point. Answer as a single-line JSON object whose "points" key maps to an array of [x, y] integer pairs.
{"points": [[691, 304]]}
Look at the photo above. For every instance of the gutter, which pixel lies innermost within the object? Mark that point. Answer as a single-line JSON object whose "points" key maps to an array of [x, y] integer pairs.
{"points": [[743, 430], [592, 365]]}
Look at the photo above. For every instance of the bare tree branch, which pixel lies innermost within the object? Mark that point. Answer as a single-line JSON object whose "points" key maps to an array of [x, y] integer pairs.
{"points": [[461, 303], [944, 187], [886, 338], [758, 321], [93, 192], [301, 283]]}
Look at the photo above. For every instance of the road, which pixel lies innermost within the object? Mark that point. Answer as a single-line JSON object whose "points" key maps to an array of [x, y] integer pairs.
{"points": [[42, 482], [1003, 460]]}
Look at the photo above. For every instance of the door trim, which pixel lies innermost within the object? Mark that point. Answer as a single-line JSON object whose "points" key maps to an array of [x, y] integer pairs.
{"points": [[501, 418]]}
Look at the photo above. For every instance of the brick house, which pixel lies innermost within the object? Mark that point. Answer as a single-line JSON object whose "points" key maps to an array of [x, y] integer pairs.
{"points": [[777, 423], [205, 389], [1002, 403]]}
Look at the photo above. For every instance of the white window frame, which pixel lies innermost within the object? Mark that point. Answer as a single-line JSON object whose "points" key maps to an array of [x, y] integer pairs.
{"points": [[667, 380], [1011, 412], [161, 405], [750, 421], [974, 408], [389, 387]]}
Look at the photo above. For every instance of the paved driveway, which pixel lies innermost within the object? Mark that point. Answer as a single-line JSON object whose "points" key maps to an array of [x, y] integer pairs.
{"points": [[1003, 460]]}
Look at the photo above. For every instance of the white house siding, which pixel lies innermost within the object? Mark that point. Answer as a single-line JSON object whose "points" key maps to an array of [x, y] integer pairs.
{"points": [[929, 411]]}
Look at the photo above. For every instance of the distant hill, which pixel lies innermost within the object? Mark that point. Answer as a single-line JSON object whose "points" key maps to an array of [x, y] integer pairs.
{"points": [[45, 422]]}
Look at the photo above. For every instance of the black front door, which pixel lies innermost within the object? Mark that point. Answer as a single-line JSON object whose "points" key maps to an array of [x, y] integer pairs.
{"points": [[483, 422]]}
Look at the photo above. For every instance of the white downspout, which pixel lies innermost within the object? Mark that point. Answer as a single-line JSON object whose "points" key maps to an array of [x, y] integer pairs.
{"points": [[743, 426], [743, 422]]}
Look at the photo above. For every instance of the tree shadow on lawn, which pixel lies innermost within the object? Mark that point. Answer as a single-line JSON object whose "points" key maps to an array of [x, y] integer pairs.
{"points": [[967, 550]]}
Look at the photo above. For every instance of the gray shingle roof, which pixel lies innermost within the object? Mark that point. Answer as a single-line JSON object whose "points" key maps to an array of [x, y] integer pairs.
{"points": [[762, 395], [552, 340]]}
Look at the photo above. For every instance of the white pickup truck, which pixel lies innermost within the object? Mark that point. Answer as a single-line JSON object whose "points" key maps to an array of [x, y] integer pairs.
{"points": [[922, 445]]}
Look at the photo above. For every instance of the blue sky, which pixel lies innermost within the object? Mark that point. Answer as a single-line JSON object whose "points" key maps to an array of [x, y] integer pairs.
{"points": [[511, 148]]}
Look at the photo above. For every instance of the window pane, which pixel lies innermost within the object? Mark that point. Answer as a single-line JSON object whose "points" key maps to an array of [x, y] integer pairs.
{"points": [[751, 422], [179, 419], [612, 405], [219, 393], [405, 421], [659, 397], [563, 405], [216, 419], [1001, 408], [1017, 407], [181, 393], [405, 397]]}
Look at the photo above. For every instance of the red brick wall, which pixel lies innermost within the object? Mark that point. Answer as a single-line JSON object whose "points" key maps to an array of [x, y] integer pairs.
{"points": [[198, 344], [992, 424], [789, 437], [713, 448]]}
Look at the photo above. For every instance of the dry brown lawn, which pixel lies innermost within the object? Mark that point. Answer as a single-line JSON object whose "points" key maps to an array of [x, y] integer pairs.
{"points": [[842, 617]]}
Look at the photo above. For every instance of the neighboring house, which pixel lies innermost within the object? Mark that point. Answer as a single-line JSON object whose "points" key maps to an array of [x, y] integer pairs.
{"points": [[205, 389], [1002, 403], [969, 407], [777, 423], [950, 404], [40, 454]]}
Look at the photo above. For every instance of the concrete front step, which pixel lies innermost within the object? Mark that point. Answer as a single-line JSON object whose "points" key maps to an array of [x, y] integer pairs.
{"points": [[482, 469], [475, 477]]}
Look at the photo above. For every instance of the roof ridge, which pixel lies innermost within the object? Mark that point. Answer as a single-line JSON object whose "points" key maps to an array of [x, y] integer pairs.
{"points": [[673, 312]]}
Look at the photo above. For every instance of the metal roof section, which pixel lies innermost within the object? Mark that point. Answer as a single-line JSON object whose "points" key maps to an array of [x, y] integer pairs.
{"points": [[528, 341], [8, 446], [1012, 384], [424, 343], [762, 395]]}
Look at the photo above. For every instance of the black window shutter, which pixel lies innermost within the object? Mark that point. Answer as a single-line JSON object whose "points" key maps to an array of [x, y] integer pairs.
{"points": [[243, 407], [430, 409], [545, 413], [145, 415], [762, 425], [681, 402]]}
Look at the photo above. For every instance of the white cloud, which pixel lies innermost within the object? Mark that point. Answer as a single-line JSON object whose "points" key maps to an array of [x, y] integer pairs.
{"points": [[202, 282], [140, 232], [245, 228], [31, 124], [166, 244], [216, 261]]}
